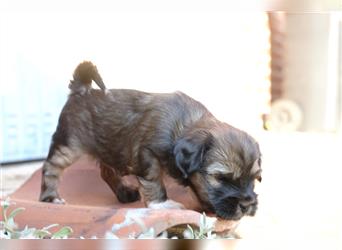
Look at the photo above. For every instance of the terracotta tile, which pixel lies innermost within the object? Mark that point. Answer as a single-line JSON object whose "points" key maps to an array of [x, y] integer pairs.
{"points": [[92, 208]]}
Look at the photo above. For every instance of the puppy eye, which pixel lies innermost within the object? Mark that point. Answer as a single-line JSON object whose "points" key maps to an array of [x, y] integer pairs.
{"points": [[227, 180], [229, 183], [223, 178]]}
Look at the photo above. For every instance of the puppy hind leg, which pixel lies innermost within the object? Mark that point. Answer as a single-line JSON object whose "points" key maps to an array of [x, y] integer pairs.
{"points": [[124, 193], [59, 158]]}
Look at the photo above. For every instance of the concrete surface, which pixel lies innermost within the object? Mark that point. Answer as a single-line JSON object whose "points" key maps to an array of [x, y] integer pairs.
{"points": [[13, 176]]}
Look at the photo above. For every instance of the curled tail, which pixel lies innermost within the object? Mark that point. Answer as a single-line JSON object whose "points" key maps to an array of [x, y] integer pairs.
{"points": [[84, 74]]}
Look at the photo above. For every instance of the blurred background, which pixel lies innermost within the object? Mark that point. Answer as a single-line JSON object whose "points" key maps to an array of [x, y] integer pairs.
{"points": [[277, 75], [278, 71]]}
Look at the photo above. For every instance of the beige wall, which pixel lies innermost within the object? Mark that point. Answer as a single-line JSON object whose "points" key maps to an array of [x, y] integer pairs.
{"points": [[219, 58], [307, 62]]}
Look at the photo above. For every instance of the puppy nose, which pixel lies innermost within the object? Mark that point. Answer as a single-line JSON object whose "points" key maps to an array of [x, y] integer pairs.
{"points": [[246, 201]]}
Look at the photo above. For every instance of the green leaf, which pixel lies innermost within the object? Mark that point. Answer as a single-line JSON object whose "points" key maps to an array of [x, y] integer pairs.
{"points": [[15, 212], [50, 226], [4, 212], [28, 233], [191, 231], [10, 225], [62, 233], [16, 235], [41, 234]]}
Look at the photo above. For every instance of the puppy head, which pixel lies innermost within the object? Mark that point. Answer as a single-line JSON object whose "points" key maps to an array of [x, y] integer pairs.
{"points": [[221, 164]]}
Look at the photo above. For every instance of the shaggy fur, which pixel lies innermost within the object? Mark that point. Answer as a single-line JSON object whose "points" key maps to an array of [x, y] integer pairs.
{"points": [[145, 134]]}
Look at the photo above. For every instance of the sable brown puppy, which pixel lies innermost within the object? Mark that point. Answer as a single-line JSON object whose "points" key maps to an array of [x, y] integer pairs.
{"points": [[145, 134]]}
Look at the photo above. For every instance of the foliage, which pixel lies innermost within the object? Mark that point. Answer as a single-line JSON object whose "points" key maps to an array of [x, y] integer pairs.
{"points": [[9, 229], [204, 231]]}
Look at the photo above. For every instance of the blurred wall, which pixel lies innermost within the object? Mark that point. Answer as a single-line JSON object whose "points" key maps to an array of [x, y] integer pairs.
{"points": [[219, 58], [307, 73]]}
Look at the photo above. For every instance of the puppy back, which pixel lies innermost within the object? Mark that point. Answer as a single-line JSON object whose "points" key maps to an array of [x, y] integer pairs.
{"points": [[84, 74]]}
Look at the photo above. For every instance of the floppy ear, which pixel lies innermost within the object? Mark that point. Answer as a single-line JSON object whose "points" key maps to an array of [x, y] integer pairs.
{"points": [[188, 153]]}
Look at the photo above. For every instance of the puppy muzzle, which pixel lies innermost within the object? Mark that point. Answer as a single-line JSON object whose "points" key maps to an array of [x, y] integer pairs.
{"points": [[233, 208]]}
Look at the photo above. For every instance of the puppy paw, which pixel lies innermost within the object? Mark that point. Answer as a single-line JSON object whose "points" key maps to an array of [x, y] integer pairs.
{"points": [[54, 200], [52, 197], [168, 204], [58, 201]]}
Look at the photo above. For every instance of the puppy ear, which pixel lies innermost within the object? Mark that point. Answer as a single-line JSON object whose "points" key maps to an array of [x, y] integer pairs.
{"points": [[189, 152]]}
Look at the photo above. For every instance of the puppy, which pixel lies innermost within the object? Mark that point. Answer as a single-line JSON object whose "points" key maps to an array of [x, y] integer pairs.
{"points": [[145, 134]]}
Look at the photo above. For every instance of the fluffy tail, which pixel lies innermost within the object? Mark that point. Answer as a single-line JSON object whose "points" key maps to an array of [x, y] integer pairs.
{"points": [[84, 74]]}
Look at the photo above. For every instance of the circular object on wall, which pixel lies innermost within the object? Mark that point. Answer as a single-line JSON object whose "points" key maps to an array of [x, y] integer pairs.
{"points": [[285, 115]]}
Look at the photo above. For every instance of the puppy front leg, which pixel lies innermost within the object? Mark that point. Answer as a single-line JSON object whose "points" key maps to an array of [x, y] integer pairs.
{"points": [[152, 189]]}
